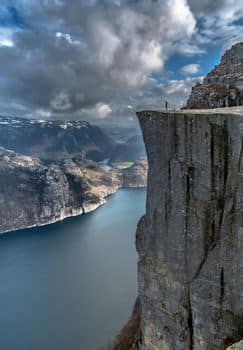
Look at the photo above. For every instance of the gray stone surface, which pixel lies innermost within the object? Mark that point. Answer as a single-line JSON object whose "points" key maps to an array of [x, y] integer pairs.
{"points": [[135, 176], [223, 86], [190, 242], [33, 193]]}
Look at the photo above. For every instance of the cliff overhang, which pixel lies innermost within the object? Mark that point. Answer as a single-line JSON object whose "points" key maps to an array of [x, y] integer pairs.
{"points": [[191, 238]]}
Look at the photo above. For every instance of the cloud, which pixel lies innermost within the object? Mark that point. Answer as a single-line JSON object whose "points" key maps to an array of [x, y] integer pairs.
{"points": [[67, 37], [99, 111], [61, 102], [89, 58], [190, 69], [102, 110], [6, 37], [94, 58], [219, 22], [175, 92], [5, 42], [207, 6]]}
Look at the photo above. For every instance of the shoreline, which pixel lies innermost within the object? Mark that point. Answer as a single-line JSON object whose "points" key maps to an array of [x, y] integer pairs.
{"points": [[76, 212]]}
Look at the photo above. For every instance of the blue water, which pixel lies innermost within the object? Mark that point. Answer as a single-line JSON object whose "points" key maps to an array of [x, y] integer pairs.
{"points": [[70, 285]]}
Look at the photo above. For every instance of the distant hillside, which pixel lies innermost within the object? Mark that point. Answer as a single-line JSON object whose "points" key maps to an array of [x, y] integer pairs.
{"points": [[33, 193], [54, 139], [131, 150]]}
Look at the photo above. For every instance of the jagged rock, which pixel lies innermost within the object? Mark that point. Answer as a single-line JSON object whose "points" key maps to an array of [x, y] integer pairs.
{"points": [[53, 139], [190, 242], [49, 139], [33, 193], [135, 176], [223, 86], [129, 337]]}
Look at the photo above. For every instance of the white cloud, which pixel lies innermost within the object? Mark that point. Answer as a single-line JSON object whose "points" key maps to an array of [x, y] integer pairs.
{"points": [[6, 42], [67, 37], [190, 69], [103, 110], [42, 113], [6, 37], [105, 43], [121, 45], [61, 102], [99, 111], [218, 21], [175, 92]]}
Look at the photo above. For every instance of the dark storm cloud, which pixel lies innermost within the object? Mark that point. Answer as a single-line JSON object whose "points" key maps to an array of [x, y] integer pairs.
{"points": [[95, 58], [206, 6], [220, 21], [79, 57]]}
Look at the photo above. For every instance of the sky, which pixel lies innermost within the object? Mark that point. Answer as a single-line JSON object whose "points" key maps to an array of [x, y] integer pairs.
{"points": [[101, 60]]}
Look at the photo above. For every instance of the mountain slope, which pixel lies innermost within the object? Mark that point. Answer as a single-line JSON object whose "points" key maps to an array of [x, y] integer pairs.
{"points": [[33, 193], [223, 86], [54, 139]]}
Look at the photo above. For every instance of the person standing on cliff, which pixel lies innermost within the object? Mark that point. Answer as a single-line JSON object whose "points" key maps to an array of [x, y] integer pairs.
{"points": [[166, 105]]}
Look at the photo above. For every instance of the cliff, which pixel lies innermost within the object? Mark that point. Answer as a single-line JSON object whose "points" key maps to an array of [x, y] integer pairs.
{"points": [[33, 193], [223, 86], [48, 139], [190, 241], [135, 176], [58, 139]]}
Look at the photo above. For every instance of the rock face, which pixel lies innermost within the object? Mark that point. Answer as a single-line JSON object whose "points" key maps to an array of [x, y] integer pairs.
{"points": [[223, 86], [190, 242], [135, 176], [130, 150], [54, 139], [51, 140], [33, 193]]}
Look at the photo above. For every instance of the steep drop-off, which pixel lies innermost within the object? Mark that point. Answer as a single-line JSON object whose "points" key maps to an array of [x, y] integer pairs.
{"points": [[223, 86], [58, 139], [134, 176], [49, 139], [33, 193], [190, 242]]}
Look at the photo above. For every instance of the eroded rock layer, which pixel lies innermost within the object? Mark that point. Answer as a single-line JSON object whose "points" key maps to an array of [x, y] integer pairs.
{"points": [[190, 242], [223, 86], [33, 193]]}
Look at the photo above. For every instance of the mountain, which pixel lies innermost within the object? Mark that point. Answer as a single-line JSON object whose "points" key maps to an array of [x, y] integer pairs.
{"points": [[135, 175], [33, 193], [54, 139], [132, 150], [223, 86], [190, 240]]}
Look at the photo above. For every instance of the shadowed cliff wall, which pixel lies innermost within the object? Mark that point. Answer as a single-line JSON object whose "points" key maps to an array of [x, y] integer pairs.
{"points": [[190, 242]]}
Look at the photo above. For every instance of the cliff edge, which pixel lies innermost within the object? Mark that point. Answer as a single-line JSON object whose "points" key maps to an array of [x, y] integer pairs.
{"points": [[190, 242], [33, 193]]}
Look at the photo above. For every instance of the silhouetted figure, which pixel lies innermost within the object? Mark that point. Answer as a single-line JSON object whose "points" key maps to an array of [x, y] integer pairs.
{"points": [[166, 105]]}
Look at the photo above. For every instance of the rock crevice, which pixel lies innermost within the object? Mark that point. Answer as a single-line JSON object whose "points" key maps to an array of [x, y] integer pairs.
{"points": [[190, 240]]}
